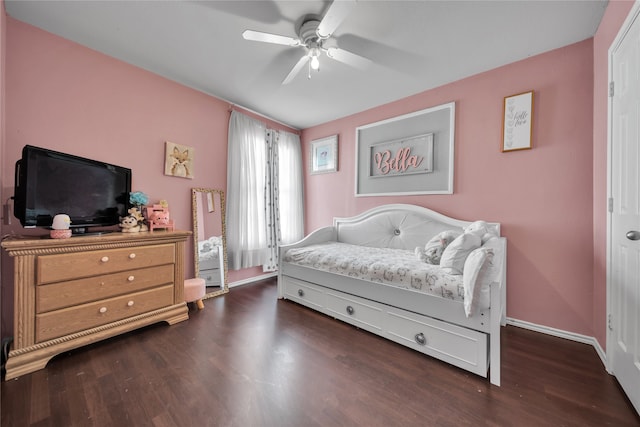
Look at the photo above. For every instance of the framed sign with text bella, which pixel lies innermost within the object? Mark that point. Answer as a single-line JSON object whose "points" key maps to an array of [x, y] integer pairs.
{"points": [[406, 155]]}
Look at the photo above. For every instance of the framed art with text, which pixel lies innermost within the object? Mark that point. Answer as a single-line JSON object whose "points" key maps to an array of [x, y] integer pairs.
{"points": [[517, 122], [408, 154]]}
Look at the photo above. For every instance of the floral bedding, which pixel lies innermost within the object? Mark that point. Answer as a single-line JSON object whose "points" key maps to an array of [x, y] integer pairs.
{"points": [[396, 267]]}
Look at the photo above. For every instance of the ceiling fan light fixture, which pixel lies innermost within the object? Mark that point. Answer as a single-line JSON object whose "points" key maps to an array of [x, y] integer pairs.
{"points": [[315, 62]]}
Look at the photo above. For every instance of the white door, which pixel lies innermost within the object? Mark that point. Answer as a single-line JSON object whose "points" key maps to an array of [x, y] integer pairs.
{"points": [[623, 346]]}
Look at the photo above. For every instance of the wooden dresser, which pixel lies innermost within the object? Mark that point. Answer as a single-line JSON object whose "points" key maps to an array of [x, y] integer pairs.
{"points": [[72, 292]]}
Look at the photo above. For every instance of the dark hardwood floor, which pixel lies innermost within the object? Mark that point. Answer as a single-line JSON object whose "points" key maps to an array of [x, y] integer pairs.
{"points": [[248, 359]]}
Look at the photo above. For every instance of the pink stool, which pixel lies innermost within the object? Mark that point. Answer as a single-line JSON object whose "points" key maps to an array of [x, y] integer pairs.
{"points": [[194, 290]]}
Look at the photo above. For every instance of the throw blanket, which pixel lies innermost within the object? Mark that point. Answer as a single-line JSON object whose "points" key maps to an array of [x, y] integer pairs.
{"points": [[396, 267]]}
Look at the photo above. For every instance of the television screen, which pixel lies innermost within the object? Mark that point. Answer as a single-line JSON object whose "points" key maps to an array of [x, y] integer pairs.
{"points": [[48, 183]]}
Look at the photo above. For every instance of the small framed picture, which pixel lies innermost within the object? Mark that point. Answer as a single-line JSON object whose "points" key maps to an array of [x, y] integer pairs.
{"points": [[324, 155], [517, 122], [178, 160]]}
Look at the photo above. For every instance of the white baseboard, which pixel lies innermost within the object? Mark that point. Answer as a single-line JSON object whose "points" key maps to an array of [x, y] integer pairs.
{"points": [[562, 334], [252, 279]]}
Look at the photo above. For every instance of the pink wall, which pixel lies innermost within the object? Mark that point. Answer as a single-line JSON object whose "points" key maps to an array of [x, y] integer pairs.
{"points": [[543, 197], [66, 97], [613, 19]]}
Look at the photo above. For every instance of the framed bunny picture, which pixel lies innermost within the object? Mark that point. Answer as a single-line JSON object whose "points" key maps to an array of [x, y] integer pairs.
{"points": [[178, 160]]}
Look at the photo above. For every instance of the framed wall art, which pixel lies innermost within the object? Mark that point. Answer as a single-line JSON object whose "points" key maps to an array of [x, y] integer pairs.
{"points": [[178, 160], [407, 155], [517, 122], [324, 155]]}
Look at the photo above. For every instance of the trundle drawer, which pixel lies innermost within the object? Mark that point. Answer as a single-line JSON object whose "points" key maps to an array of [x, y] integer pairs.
{"points": [[359, 312], [55, 268], [86, 316], [65, 294], [459, 346], [304, 293]]}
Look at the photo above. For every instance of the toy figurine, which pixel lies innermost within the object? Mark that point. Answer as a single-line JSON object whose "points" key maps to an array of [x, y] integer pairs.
{"points": [[60, 227]]}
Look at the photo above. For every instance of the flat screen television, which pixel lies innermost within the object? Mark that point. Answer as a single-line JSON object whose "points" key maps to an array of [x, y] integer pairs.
{"points": [[48, 183]]}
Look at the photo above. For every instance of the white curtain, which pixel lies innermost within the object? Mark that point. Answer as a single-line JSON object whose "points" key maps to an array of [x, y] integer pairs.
{"points": [[283, 193], [246, 164], [264, 193]]}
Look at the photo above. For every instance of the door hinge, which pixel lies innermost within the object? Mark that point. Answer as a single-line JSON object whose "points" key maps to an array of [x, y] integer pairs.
{"points": [[611, 89], [610, 207]]}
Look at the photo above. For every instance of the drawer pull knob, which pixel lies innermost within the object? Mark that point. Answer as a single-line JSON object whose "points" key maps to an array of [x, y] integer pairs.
{"points": [[350, 310], [300, 293], [104, 259], [132, 255], [421, 339], [131, 278], [103, 309], [130, 304]]}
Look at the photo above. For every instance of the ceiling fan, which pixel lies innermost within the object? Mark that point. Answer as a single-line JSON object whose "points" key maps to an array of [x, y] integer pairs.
{"points": [[311, 35]]}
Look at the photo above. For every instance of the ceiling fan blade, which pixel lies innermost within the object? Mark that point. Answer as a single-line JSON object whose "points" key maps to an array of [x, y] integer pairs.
{"points": [[338, 10], [258, 36], [348, 58], [296, 69]]}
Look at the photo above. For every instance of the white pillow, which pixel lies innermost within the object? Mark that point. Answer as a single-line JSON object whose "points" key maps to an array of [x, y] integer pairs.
{"points": [[472, 266], [456, 253], [477, 275]]}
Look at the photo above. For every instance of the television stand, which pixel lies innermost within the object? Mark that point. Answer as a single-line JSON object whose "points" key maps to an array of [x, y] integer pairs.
{"points": [[72, 292]]}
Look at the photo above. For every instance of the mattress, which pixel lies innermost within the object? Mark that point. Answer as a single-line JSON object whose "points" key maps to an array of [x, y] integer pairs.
{"points": [[395, 267]]}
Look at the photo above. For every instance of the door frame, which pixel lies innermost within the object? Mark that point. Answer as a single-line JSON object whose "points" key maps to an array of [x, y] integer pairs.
{"points": [[622, 32]]}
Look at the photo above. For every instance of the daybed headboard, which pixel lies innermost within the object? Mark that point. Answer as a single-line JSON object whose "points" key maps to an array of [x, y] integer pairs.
{"points": [[396, 226]]}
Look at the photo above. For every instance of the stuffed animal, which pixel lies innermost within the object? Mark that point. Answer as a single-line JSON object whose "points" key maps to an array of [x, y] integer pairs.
{"points": [[129, 224], [135, 212], [432, 252]]}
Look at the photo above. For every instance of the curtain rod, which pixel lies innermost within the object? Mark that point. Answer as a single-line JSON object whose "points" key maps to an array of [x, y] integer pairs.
{"points": [[233, 106]]}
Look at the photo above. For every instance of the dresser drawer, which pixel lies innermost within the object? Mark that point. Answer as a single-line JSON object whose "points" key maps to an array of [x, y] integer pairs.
{"points": [[54, 296], [459, 346], [304, 293], [74, 319], [357, 311], [54, 268]]}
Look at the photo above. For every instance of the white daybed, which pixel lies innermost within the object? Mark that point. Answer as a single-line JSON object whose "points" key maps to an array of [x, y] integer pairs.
{"points": [[440, 325], [211, 261]]}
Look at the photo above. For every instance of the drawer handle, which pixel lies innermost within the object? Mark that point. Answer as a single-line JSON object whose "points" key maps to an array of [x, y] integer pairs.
{"points": [[131, 278], [421, 339], [132, 256], [130, 304], [350, 310], [103, 310], [104, 259], [300, 293]]}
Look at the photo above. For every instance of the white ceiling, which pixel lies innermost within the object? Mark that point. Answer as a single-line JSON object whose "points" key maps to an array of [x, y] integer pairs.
{"points": [[415, 45]]}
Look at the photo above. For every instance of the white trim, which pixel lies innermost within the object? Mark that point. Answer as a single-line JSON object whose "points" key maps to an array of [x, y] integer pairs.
{"points": [[253, 279], [631, 17], [561, 334]]}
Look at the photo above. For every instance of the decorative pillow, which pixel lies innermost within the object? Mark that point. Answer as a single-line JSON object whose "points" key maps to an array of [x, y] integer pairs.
{"points": [[433, 250], [485, 273], [472, 266], [456, 253]]}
